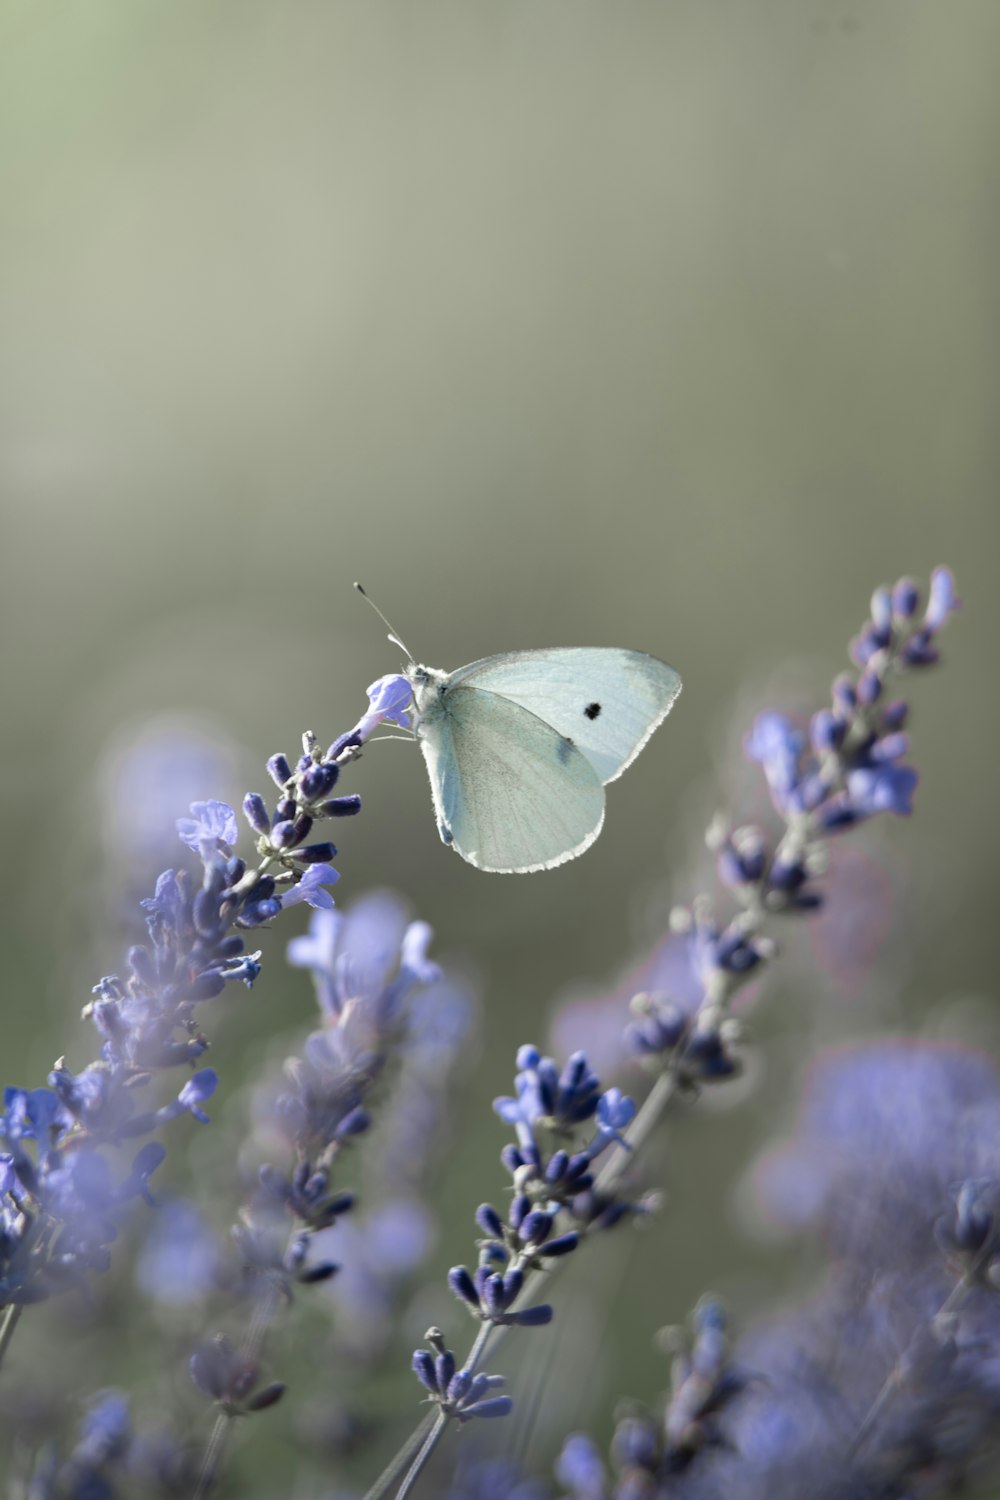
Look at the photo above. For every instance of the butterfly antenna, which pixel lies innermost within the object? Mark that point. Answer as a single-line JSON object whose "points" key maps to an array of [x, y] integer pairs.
{"points": [[396, 641]]}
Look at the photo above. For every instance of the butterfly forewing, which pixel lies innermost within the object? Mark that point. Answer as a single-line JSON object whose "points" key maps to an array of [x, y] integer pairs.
{"points": [[606, 700], [511, 793]]}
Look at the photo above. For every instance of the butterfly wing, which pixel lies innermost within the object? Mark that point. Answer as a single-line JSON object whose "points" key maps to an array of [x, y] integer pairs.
{"points": [[607, 701], [511, 793]]}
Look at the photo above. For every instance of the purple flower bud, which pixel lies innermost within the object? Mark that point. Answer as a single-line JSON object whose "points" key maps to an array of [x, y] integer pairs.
{"points": [[444, 1369], [918, 651], [496, 1406], [256, 913], [489, 1220], [881, 610], [869, 688], [279, 769], [826, 730], [864, 646], [734, 954], [350, 741], [283, 834], [206, 913], [256, 813], [355, 1122], [536, 1227], [322, 1272], [844, 696], [302, 825], [316, 854], [342, 807], [562, 1245], [511, 1159], [268, 1395], [905, 599], [458, 1386], [519, 1209], [206, 986], [512, 1284], [557, 1166], [533, 1317], [836, 815], [462, 1285], [319, 780], [493, 1294], [424, 1369], [786, 874]]}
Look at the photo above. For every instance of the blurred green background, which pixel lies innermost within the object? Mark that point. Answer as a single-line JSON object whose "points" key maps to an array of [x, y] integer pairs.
{"points": [[670, 324]]}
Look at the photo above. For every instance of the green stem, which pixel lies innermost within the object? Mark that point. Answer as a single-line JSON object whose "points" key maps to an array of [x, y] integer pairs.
{"points": [[212, 1461], [416, 1468], [398, 1463]]}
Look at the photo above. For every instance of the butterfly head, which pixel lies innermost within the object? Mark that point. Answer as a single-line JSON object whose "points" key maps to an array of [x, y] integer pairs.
{"points": [[428, 685]]}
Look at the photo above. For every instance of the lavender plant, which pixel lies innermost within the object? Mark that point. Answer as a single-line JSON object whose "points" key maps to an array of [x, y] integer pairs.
{"points": [[847, 768], [905, 1406]]}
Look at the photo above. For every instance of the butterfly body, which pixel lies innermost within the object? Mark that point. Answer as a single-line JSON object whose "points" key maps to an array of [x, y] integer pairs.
{"points": [[520, 746]]}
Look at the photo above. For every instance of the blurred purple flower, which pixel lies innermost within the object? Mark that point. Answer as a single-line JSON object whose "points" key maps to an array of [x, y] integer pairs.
{"points": [[180, 1259], [884, 1132], [212, 827]]}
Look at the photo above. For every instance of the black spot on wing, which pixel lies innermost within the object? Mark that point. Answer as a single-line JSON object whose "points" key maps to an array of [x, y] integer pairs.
{"points": [[592, 710], [447, 837]]}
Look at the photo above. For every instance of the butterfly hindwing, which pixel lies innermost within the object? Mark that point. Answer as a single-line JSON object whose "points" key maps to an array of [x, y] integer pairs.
{"points": [[510, 792]]}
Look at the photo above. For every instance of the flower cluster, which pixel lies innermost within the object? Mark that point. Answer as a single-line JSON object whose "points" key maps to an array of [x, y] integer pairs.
{"points": [[554, 1200], [365, 963], [843, 768], [547, 1110], [458, 1393], [59, 1194], [230, 1376]]}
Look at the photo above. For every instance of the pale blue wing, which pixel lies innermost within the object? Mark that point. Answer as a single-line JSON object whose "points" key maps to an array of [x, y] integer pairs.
{"points": [[607, 701], [511, 794]]}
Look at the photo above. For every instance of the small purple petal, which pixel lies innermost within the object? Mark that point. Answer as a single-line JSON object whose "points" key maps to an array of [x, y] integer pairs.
{"points": [[311, 888], [211, 823]]}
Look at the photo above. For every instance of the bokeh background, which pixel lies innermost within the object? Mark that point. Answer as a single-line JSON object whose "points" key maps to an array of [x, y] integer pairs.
{"points": [[670, 325]]}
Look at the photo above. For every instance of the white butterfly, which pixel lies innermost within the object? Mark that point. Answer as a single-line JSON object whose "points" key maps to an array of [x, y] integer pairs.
{"points": [[519, 747]]}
